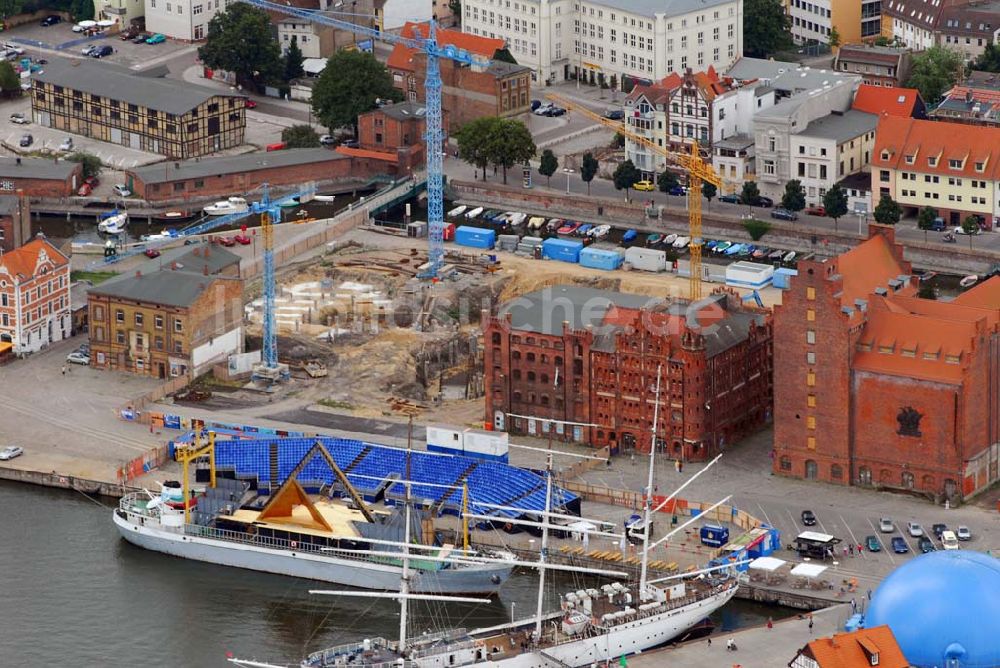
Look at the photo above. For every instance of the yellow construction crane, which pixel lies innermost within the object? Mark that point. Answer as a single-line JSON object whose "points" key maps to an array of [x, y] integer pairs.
{"points": [[697, 169]]}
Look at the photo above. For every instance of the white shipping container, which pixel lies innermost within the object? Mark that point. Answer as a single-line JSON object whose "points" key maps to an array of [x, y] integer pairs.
{"points": [[444, 438], [492, 444], [646, 259]]}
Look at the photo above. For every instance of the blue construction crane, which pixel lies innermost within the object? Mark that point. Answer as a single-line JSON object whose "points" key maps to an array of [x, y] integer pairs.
{"points": [[269, 369], [432, 89]]}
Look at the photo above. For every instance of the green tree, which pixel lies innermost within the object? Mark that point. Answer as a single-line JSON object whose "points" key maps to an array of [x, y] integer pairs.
{"points": [[971, 227], [794, 198], [300, 136], [240, 40], [510, 143], [882, 40], [756, 228], [618, 141], [473, 141], [833, 39], [548, 165], [887, 212], [91, 163], [625, 175], [504, 56], [666, 180], [81, 10], [349, 86], [750, 194], [709, 191], [925, 219], [9, 81], [293, 60], [934, 71], [835, 203], [766, 28], [988, 60], [588, 169]]}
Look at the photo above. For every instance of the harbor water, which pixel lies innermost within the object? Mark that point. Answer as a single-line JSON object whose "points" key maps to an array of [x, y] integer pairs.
{"points": [[77, 595]]}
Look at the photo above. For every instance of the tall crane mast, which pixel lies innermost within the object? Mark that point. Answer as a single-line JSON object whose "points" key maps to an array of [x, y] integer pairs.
{"points": [[698, 172], [434, 136]]}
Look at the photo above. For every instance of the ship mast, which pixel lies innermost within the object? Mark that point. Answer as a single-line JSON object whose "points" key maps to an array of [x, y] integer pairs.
{"points": [[543, 555], [404, 583], [649, 490]]}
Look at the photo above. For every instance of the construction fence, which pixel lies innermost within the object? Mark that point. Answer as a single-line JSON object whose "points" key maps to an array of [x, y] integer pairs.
{"points": [[146, 462]]}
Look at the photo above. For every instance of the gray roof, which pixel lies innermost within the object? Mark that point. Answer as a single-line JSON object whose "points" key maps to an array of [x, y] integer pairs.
{"points": [[735, 143], [165, 287], [78, 294], [166, 172], [194, 259], [857, 181], [785, 77], [115, 83], [651, 8], [402, 111], [841, 127], [500, 68], [36, 168], [545, 310], [8, 204]]}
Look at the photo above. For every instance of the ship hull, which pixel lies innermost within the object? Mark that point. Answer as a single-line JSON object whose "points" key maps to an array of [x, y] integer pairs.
{"points": [[325, 568]]}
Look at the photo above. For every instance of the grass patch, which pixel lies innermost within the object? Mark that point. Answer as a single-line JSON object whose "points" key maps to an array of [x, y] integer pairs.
{"points": [[333, 403], [94, 277]]}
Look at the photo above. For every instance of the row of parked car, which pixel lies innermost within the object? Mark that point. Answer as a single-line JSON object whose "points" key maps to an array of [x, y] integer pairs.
{"points": [[949, 539], [539, 108]]}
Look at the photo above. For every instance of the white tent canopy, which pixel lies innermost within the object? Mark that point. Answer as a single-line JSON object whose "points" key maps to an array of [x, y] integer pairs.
{"points": [[769, 564], [313, 66], [808, 570]]}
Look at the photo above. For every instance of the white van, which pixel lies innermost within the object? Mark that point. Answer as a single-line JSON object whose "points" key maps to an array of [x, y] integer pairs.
{"points": [[948, 540]]}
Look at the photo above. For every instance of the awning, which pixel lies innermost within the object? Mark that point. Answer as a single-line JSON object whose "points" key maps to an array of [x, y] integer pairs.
{"points": [[808, 570], [767, 564]]}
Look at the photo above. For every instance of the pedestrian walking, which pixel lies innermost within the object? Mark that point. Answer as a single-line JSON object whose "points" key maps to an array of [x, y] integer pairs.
{"points": [[859, 549], [845, 551], [770, 623], [851, 546], [64, 369], [869, 594], [680, 466], [710, 642], [854, 605], [810, 625]]}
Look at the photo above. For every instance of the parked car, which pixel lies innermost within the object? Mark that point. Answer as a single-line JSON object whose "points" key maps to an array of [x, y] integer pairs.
{"points": [[963, 532], [555, 111], [899, 545], [938, 225], [938, 529], [19, 119], [350, 143], [152, 253], [542, 109], [157, 38], [678, 191], [121, 190], [730, 199], [141, 38], [765, 201], [873, 544], [808, 518], [948, 540], [568, 228], [51, 20], [67, 144], [925, 545], [535, 104], [27, 139], [84, 190], [77, 357], [784, 214], [10, 46], [10, 452], [102, 51], [914, 529], [87, 50], [885, 525], [647, 186], [243, 239], [327, 140], [251, 104], [614, 114], [228, 242], [77, 28], [818, 210]]}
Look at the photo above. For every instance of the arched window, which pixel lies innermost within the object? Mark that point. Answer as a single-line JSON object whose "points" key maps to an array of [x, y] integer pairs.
{"points": [[907, 479], [786, 463], [836, 471]]}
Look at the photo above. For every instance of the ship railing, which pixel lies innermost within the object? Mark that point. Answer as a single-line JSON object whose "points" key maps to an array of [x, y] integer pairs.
{"points": [[243, 538], [455, 646], [129, 504], [347, 649]]}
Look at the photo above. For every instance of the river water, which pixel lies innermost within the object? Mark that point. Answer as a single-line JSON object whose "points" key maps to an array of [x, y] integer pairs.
{"points": [[76, 595]]}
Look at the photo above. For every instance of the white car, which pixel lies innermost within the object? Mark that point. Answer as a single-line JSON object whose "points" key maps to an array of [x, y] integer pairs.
{"points": [[961, 230], [542, 110], [78, 28], [85, 51], [122, 190], [13, 47], [19, 119], [67, 144], [10, 452], [327, 140], [963, 533], [914, 529], [77, 357], [885, 525]]}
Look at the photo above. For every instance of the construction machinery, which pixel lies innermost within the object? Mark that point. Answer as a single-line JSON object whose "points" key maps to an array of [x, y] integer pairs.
{"points": [[692, 163], [432, 89]]}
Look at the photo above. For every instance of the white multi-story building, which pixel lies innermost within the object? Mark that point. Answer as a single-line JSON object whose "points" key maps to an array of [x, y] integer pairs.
{"points": [[607, 41], [186, 20], [646, 117], [831, 148]]}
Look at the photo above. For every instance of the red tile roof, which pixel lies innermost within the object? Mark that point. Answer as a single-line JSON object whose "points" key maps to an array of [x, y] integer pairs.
{"points": [[892, 101], [851, 650], [896, 138], [869, 265], [985, 295], [365, 153], [24, 260], [402, 56]]}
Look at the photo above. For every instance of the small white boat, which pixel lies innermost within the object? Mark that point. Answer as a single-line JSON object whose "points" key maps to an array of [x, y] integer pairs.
{"points": [[324, 198], [515, 218], [600, 231], [968, 281], [682, 242], [536, 223], [789, 256], [113, 222], [457, 211], [474, 213], [231, 205], [669, 240]]}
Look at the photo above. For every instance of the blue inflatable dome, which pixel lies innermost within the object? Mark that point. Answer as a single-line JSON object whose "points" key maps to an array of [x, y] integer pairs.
{"points": [[943, 606]]}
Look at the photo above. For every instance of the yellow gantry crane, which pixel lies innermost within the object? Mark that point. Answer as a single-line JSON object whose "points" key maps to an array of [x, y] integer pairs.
{"points": [[697, 169]]}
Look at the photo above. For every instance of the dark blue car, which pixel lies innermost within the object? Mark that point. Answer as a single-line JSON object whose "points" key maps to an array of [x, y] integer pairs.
{"points": [[899, 545]]}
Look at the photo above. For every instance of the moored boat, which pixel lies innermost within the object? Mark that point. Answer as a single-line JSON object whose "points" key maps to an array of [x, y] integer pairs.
{"points": [[228, 206], [113, 222]]}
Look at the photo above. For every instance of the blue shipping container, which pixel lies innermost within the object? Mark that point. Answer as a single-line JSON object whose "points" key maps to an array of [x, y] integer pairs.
{"points": [[476, 237], [598, 258], [562, 250]]}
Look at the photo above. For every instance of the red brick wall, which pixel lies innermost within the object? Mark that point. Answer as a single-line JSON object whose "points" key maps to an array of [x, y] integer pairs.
{"points": [[380, 132], [48, 187]]}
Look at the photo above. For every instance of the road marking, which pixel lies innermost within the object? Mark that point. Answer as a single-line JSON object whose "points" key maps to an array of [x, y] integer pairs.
{"points": [[820, 523], [764, 512], [861, 552]]}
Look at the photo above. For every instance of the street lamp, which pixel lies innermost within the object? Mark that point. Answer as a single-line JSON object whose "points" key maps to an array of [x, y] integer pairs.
{"points": [[567, 172]]}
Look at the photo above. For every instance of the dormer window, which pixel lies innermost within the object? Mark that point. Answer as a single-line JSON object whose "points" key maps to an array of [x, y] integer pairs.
{"points": [[874, 659], [932, 161], [980, 167], [910, 159], [885, 155], [954, 164]]}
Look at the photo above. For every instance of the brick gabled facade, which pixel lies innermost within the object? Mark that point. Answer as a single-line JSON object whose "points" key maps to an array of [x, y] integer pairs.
{"points": [[598, 366], [34, 296]]}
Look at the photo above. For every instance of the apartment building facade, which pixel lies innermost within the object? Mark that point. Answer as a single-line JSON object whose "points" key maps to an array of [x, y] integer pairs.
{"points": [[34, 296], [831, 148], [966, 26], [814, 20], [184, 20], [122, 11], [611, 42], [104, 102], [883, 66]]}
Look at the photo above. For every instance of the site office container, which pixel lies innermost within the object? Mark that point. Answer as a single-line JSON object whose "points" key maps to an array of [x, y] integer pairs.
{"points": [[475, 237], [599, 258], [563, 250], [646, 259]]}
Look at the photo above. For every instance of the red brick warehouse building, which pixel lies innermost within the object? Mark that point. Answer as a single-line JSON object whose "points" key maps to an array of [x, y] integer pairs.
{"points": [[877, 387], [590, 356]]}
